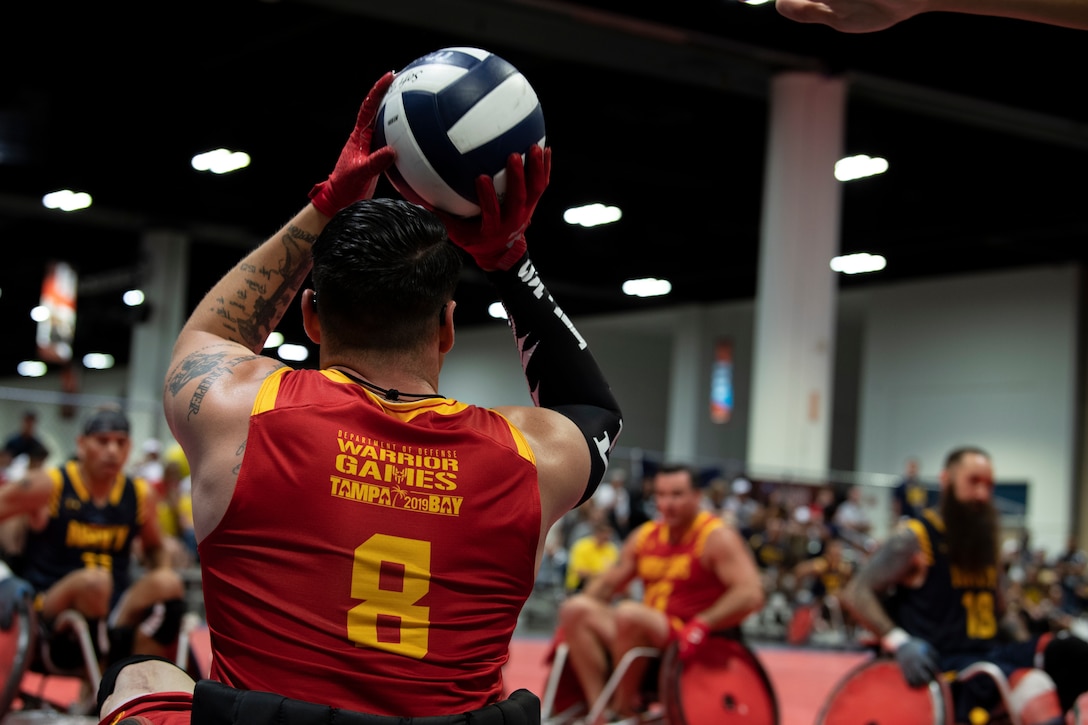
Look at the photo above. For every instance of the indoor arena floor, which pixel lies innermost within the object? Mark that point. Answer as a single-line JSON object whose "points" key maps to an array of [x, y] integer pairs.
{"points": [[802, 678]]}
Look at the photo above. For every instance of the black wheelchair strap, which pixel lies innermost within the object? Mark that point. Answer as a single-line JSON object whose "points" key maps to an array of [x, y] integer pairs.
{"points": [[217, 704]]}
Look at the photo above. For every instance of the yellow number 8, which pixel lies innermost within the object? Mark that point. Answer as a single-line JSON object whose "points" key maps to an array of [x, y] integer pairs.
{"points": [[382, 610]]}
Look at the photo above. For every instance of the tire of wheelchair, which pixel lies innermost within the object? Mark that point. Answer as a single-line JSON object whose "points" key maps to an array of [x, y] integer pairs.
{"points": [[725, 683], [876, 693], [17, 647]]}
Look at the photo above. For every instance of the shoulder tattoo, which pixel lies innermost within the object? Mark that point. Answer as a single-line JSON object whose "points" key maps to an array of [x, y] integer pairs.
{"points": [[207, 365]]}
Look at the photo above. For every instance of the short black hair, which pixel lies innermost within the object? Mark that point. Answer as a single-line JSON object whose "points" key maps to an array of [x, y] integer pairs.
{"points": [[106, 420], [382, 271], [693, 475]]}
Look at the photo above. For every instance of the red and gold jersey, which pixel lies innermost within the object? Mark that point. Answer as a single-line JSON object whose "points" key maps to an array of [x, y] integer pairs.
{"points": [[674, 579], [375, 555]]}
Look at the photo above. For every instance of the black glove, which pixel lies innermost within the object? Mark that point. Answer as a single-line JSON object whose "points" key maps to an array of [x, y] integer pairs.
{"points": [[916, 657], [12, 590]]}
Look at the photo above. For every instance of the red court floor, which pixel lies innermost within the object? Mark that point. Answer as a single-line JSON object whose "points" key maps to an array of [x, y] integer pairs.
{"points": [[802, 677]]}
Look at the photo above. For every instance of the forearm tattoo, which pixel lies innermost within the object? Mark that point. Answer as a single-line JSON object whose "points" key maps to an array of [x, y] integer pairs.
{"points": [[264, 293]]}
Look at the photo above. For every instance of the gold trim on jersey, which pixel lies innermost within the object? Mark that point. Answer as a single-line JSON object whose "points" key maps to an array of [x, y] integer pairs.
{"points": [[401, 410]]}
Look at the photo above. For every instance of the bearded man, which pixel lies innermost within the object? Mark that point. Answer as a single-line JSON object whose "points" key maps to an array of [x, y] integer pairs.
{"points": [[934, 593]]}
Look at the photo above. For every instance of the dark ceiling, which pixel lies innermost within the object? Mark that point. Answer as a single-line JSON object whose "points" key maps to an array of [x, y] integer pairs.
{"points": [[659, 108]]}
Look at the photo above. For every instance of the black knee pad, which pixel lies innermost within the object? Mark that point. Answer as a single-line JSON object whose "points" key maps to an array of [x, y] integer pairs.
{"points": [[109, 677], [1064, 660]]}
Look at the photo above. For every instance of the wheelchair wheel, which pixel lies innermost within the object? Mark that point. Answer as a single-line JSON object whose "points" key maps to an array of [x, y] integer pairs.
{"points": [[17, 647], [875, 693], [724, 684]]}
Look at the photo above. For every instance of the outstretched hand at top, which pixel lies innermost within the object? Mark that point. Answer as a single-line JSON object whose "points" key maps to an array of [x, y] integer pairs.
{"points": [[357, 170], [851, 16], [496, 238]]}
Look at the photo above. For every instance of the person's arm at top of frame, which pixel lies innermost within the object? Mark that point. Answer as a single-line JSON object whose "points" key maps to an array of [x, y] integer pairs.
{"points": [[576, 419], [732, 561], [865, 16], [217, 368], [899, 561]]}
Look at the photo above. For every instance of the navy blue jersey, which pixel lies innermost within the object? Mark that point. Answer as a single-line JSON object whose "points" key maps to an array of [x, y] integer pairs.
{"points": [[81, 533], [954, 610]]}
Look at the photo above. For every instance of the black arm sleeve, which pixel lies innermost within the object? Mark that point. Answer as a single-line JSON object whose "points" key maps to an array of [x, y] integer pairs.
{"points": [[562, 373]]}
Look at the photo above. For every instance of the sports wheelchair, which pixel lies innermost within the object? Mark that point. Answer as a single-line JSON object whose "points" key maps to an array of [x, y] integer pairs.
{"points": [[876, 693], [725, 683], [29, 662]]}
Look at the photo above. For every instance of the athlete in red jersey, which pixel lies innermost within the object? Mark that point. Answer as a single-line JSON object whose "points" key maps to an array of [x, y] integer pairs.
{"points": [[366, 542], [697, 574]]}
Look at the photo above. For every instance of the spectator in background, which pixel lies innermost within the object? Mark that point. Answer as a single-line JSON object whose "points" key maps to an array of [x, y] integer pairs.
{"points": [[150, 468], [744, 509], [909, 496], [643, 508], [175, 511], [26, 441], [615, 502], [851, 521], [590, 555]]}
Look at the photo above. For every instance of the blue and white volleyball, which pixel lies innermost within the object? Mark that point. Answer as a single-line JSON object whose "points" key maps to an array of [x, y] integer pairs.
{"points": [[451, 116]]}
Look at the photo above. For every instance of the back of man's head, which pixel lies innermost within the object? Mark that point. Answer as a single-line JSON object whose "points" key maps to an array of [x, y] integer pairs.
{"points": [[383, 270]]}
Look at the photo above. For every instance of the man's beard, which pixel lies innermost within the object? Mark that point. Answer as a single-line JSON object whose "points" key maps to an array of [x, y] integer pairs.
{"points": [[971, 530]]}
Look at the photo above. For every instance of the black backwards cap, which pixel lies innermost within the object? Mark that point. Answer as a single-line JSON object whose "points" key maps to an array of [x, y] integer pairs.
{"points": [[106, 421]]}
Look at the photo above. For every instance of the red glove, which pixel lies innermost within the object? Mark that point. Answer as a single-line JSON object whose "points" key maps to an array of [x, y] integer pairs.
{"points": [[357, 170], [695, 633], [496, 238]]}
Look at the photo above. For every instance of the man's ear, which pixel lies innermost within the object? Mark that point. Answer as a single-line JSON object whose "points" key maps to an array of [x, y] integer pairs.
{"points": [[445, 327], [310, 321]]}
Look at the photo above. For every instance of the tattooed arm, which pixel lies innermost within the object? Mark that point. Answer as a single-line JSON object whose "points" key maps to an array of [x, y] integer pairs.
{"points": [[898, 561], [216, 370]]}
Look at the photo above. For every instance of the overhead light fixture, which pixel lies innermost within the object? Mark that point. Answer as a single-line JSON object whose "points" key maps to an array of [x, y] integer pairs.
{"points": [[592, 215], [647, 287], [220, 161], [859, 167], [858, 263], [98, 361], [292, 352], [133, 297], [275, 339], [496, 310], [67, 200], [32, 368]]}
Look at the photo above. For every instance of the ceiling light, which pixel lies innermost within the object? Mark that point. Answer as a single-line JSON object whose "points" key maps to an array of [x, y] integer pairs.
{"points": [[858, 167], [133, 297], [292, 352], [66, 200], [98, 361], [647, 287], [220, 161], [592, 215], [32, 368], [858, 263], [275, 339], [496, 310]]}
